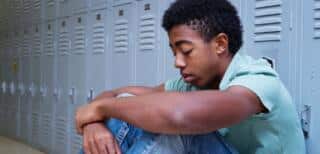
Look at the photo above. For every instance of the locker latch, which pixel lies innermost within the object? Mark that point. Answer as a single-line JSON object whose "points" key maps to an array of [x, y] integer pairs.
{"points": [[43, 91], [31, 90], [56, 94], [72, 93], [147, 7], [4, 87], [21, 89], [90, 95], [12, 88]]}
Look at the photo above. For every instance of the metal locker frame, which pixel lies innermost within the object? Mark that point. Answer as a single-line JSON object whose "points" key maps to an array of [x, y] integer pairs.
{"points": [[62, 115], [77, 74], [123, 34]]}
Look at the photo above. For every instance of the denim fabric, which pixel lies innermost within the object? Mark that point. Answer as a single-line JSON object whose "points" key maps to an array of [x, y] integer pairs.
{"points": [[133, 140]]}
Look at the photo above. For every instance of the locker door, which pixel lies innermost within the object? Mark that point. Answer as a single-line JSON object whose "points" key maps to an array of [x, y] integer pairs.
{"points": [[123, 49], [310, 70], [270, 33], [13, 95], [48, 70], [24, 78], [35, 84], [147, 56], [64, 8], [99, 54], [36, 10], [50, 9], [62, 123], [77, 72]]}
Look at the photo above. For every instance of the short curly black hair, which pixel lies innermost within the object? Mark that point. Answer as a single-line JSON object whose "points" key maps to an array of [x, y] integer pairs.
{"points": [[208, 17]]}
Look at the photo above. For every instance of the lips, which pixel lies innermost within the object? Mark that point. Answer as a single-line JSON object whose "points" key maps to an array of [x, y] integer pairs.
{"points": [[188, 77]]}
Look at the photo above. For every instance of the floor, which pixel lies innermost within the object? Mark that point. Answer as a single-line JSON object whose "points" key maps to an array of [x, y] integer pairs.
{"points": [[9, 146]]}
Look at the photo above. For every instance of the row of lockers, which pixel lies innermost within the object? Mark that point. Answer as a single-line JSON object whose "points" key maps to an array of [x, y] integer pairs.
{"points": [[56, 55], [51, 67]]}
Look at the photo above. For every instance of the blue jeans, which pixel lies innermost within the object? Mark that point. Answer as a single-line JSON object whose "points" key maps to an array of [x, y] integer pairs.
{"points": [[134, 140]]}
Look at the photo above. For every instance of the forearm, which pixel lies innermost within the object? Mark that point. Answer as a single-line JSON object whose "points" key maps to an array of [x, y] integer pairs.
{"points": [[176, 113], [135, 90]]}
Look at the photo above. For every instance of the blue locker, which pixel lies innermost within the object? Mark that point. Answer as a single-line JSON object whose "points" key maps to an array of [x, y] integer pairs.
{"points": [[310, 70], [122, 64], [147, 57], [64, 8], [37, 10], [48, 85], [62, 120], [50, 9], [99, 53], [36, 40], [77, 69]]}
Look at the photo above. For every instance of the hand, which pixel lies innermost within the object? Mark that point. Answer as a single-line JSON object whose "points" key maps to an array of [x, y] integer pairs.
{"points": [[97, 139], [87, 114]]}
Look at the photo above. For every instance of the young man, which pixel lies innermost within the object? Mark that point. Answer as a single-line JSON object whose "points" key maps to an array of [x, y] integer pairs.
{"points": [[225, 102]]}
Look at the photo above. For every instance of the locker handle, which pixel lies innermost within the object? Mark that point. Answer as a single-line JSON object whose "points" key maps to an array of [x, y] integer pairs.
{"points": [[90, 95], [72, 93]]}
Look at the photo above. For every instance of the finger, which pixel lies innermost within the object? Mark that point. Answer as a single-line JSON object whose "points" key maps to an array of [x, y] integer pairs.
{"points": [[117, 147], [93, 146], [86, 144], [102, 148], [110, 145]]}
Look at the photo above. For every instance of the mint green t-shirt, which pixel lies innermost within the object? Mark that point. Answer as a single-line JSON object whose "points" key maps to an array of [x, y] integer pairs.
{"points": [[275, 132]]}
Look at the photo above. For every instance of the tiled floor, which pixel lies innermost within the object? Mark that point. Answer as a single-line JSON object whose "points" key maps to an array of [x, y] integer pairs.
{"points": [[8, 146]]}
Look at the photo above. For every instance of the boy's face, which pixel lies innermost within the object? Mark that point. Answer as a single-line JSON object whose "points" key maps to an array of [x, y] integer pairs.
{"points": [[198, 61]]}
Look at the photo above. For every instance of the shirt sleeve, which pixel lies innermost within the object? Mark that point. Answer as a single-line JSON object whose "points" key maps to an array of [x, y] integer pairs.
{"points": [[265, 86]]}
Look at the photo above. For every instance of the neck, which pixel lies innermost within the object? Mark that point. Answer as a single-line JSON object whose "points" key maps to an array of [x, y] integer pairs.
{"points": [[224, 64]]}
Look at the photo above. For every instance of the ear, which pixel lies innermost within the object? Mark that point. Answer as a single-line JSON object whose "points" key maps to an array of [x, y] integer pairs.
{"points": [[221, 42]]}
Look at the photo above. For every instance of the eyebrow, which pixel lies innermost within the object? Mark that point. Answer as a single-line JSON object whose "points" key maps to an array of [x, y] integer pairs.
{"points": [[178, 43]]}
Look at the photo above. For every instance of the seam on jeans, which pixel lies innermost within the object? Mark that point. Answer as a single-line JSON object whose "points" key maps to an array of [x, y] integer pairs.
{"points": [[122, 133], [227, 146]]}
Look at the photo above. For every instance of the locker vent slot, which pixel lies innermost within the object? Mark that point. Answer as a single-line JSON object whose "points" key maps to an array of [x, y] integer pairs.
{"points": [[147, 33], [17, 8], [45, 126], [76, 141], [317, 19], [268, 19], [98, 38], [79, 43], [121, 36], [61, 131], [35, 125], [49, 48], [64, 43], [37, 44], [26, 6], [37, 4], [50, 3], [25, 45]]}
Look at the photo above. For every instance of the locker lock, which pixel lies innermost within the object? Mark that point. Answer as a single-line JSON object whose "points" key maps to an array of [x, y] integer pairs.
{"points": [[21, 89], [31, 90], [72, 94], [79, 20], [12, 88], [37, 29], [3, 87], [56, 94], [121, 13], [63, 24], [43, 91], [98, 17], [49, 27], [90, 95]]}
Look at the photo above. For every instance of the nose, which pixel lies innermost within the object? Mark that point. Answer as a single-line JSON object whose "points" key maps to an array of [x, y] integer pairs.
{"points": [[180, 61]]}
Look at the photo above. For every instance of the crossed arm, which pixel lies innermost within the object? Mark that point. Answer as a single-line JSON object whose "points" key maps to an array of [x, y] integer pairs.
{"points": [[173, 112]]}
